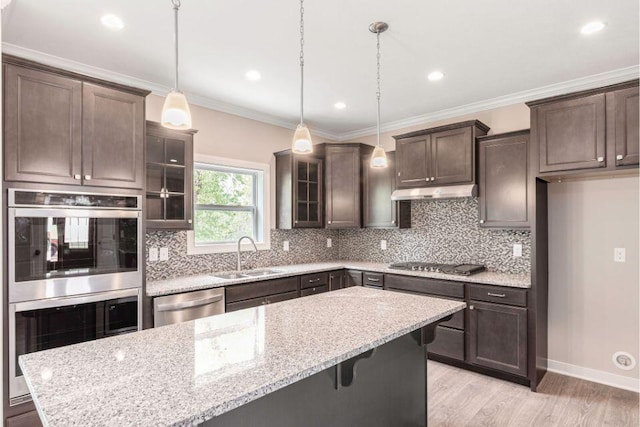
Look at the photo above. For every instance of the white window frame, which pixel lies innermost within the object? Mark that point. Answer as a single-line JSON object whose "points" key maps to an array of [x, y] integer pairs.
{"points": [[263, 200]]}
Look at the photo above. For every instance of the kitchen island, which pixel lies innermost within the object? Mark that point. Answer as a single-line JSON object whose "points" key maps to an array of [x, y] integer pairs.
{"points": [[355, 356]]}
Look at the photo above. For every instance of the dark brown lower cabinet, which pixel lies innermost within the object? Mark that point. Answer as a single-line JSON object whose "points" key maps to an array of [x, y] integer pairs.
{"points": [[28, 419], [314, 280], [498, 337], [353, 278], [336, 280], [260, 293], [256, 302], [374, 280], [449, 342]]}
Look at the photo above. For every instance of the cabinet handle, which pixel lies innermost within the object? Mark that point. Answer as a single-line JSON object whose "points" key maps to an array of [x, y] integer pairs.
{"points": [[414, 180], [619, 157], [263, 303], [87, 177], [373, 280], [471, 307], [268, 302], [77, 176], [314, 280], [491, 294], [601, 159], [314, 289], [398, 173]]}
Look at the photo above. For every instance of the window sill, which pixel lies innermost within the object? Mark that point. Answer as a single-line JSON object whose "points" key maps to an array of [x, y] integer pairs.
{"points": [[193, 249]]}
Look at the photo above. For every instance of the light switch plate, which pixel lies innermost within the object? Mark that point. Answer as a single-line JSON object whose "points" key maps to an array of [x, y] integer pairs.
{"points": [[383, 245], [164, 254], [619, 255], [153, 254], [329, 243], [517, 250], [285, 245]]}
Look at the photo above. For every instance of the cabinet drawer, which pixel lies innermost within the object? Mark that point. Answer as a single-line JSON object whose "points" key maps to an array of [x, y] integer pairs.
{"points": [[261, 289], [425, 286], [311, 280], [457, 320], [373, 279], [448, 342], [314, 290], [498, 294], [256, 302]]}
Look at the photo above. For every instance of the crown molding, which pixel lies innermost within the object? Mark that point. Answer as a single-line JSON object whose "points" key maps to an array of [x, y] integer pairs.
{"points": [[155, 88], [582, 83]]}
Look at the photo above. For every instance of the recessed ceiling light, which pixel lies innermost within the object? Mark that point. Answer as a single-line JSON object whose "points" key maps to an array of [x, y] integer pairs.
{"points": [[253, 75], [340, 105], [592, 27], [435, 76], [112, 22]]}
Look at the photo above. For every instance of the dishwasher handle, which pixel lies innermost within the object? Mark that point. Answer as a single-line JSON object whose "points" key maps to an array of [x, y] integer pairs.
{"points": [[188, 304]]}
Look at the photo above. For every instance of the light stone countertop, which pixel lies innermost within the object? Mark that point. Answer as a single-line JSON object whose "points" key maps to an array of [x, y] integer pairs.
{"points": [[187, 373], [206, 281]]}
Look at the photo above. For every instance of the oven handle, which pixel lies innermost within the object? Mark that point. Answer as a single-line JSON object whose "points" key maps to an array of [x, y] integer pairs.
{"points": [[66, 301], [72, 213], [188, 304]]}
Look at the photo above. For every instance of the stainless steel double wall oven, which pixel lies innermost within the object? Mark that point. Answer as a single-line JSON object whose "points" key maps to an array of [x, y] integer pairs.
{"points": [[74, 271]]}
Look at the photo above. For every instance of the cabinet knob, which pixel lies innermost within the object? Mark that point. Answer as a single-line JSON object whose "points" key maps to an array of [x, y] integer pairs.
{"points": [[87, 177], [398, 173], [471, 307], [328, 222], [482, 221], [619, 157], [433, 178], [190, 221], [601, 159], [393, 222], [77, 176], [296, 221]]}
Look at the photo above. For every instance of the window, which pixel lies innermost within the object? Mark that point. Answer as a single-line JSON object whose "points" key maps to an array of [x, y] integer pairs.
{"points": [[229, 203]]}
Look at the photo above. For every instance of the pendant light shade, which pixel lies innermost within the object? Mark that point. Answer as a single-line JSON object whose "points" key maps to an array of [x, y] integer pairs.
{"points": [[302, 140], [175, 111], [379, 158]]}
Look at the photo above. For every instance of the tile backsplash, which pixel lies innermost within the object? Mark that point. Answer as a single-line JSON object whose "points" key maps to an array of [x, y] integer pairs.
{"points": [[445, 231]]}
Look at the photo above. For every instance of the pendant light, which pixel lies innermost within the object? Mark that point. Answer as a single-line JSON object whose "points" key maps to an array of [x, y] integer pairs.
{"points": [[175, 111], [302, 138], [379, 157]]}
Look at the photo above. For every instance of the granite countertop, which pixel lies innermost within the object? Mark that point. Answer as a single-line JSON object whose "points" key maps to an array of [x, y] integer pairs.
{"points": [[206, 281], [187, 373]]}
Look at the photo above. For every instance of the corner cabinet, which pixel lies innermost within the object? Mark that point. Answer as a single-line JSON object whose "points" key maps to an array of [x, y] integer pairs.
{"points": [[588, 131], [169, 168], [503, 193], [65, 128], [438, 156], [299, 189], [378, 185]]}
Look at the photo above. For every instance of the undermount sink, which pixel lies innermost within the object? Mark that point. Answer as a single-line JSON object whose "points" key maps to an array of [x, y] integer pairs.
{"points": [[259, 273]]}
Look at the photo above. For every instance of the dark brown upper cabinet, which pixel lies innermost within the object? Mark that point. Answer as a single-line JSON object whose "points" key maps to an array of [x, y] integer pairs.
{"points": [[503, 164], [627, 140], [586, 132], [299, 189], [379, 210], [443, 155], [169, 189], [65, 128], [343, 184]]}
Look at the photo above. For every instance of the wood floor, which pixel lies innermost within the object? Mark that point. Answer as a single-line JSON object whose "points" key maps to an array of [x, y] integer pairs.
{"points": [[462, 398]]}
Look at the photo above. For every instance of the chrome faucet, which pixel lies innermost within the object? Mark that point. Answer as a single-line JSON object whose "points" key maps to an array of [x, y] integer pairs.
{"points": [[255, 249]]}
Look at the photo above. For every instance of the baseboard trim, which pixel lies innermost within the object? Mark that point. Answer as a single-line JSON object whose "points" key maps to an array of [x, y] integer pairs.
{"points": [[594, 375]]}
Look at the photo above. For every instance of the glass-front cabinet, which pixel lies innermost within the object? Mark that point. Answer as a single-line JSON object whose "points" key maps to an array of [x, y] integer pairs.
{"points": [[169, 187]]}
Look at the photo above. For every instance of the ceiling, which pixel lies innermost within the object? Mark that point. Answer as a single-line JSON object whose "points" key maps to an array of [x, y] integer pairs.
{"points": [[492, 52]]}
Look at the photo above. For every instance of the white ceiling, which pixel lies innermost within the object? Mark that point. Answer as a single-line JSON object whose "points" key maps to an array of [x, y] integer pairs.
{"points": [[488, 49]]}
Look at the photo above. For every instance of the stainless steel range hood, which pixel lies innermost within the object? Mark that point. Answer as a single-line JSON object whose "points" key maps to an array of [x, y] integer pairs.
{"points": [[450, 192]]}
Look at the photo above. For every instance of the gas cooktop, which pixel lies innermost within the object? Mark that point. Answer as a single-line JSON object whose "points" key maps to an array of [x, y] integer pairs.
{"points": [[457, 269]]}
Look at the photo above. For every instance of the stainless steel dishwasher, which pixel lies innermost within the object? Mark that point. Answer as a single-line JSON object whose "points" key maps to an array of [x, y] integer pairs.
{"points": [[187, 306]]}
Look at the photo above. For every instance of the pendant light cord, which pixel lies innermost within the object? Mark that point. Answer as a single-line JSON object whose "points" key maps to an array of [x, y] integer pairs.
{"points": [[378, 82], [176, 6], [301, 62]]}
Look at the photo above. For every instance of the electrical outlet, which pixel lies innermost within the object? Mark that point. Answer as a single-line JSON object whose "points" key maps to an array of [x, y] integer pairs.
{"points": [[619, 255], [164, 254], [153, 254], [285, 245], [383, 245], [517, 250], [329, 243]]}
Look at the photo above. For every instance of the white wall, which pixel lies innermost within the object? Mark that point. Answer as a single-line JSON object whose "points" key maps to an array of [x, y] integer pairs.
{"points": [[594, 301]]}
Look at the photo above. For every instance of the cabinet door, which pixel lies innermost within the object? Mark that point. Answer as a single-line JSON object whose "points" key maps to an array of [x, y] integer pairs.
{"points": [[336, 280], [503, 191], [412, 161], [498, 337], [378, 185], [627, 140], [353, 278], [112, 138], [452, 157], [42, 127], [571, 134], [343, 187], [307, 192]]}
